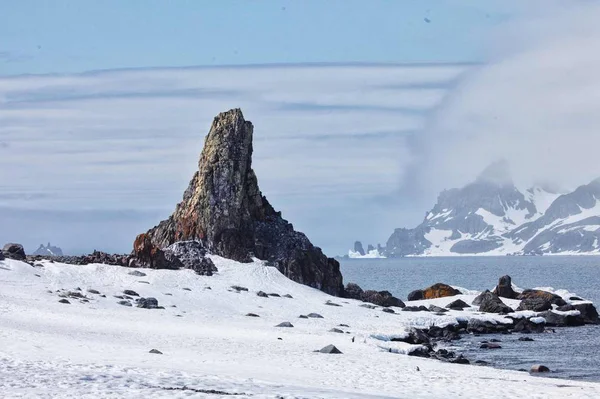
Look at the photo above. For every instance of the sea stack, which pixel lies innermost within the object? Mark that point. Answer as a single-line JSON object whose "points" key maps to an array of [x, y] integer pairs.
{"points": [[224, 209]]}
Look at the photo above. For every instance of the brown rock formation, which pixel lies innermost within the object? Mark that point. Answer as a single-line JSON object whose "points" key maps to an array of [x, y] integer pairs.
{"points": [[225, 210]]}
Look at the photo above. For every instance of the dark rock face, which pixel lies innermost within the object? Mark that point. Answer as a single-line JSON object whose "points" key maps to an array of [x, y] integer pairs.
{"points": [[536, 304], [14, 251], [224, 209], [358, 247], [588, 313], [527, 326], [504, 288], [485, 327], [552, 298], [192, 255], [147, 254], [491, 303], [1, 255], [148, 303], [415, 295]]}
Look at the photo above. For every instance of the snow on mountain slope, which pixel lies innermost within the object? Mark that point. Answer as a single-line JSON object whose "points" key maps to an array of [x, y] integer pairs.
{"points": [[100, 348], [492, 217]]}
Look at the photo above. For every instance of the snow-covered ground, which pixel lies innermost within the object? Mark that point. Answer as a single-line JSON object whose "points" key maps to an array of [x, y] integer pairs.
{"points": [[100, 348]]}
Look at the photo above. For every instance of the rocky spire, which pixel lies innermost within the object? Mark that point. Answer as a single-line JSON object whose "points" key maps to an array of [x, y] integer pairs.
{"points": [[225, 210]]}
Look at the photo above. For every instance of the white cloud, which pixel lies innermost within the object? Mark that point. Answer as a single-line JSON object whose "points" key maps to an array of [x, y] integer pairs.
{"points": [[535, 104]]}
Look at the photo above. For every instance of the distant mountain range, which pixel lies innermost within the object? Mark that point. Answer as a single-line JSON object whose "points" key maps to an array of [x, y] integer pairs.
{"points": [[492, 217], [48, 250]]}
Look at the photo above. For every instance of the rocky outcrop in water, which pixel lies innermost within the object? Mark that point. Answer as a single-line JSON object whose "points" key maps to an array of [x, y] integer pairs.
{"points": [[225, 210], [358, 247]]}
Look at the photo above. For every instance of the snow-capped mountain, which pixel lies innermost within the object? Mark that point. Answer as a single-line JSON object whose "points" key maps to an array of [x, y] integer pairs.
{"points": [[492, 217]]}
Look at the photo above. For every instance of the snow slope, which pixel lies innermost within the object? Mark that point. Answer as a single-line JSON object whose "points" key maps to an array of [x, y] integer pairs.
{"points": [[100, 348]]}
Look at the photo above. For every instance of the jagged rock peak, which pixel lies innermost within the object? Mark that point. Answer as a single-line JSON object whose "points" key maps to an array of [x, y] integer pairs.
{"points": [[224, 209]]}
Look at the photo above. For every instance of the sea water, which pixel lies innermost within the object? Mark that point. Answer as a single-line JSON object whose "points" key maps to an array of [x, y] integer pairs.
{"points": [[572, 353]]}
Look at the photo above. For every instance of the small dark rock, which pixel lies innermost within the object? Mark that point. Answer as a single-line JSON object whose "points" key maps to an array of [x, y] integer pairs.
{"points": [[504, 288], [365, 305], [303, 316], [460, 360], [252, 315], [388, 310], [527, 326], [459, 304], [130, 293], [536, 304], [353, 291], [332, 304], [189, 289], [415, 309], [275, 295], [288, 296], [64, 301], [315, 316], [525, 339], [491, 303], [124, 303], [538, 368], [336, 330], [437, 309], [155, 351], [381, 298], [481, 362], [561, 320], [285, 324], [490, 346], [147, 303], [330, 349], [343, 325], [238, 288], [92, 291], [137, 273], [262, 294]]}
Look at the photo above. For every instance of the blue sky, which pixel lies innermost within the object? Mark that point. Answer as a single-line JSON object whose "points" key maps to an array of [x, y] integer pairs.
{"points": [[63, 36], [363, 110]]}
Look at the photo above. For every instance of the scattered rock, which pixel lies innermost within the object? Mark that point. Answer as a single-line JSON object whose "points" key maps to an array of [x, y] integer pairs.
{"points": [[526, 326], [64, 301], [168, 294], [124, 303], [481, 362], [14, 251], [490, 346], [303, 316], [460, 360], [137, 273], [588, 312], [388, 310], [459, 304], [224, 208], [130, 293], [119, 296], [353, 291], [189, 289], [237, 288], [575, 298], [343, 325], [436, 309], [416, 295], [143, 282], [252, 315], [330, 349], [365, 305], [538, 368], [553, 298], [537, 304], [336, 330], [332, 304], [285, 324], [504, 288], [288, 296], [415, 309], [525, 339], [491, 303], [274, 295], [148, 303], [477, 326], [262, 294], [92, 291], [554, 319], [155, 351], [439, 290], [420, 352], [315, 316]]}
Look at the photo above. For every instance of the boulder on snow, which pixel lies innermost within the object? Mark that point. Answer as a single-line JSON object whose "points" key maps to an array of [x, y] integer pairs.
{"points": [[437, 309], [459, 304], [536, 304], [315, 316], [148, 303], [415, 309], [14, 251], [330, 349], [439, 290], [137, 273], [353, 291], [553, 298], [147, 254], [252, 315], [262, 294], [155, 351], [416, 295], [588, 312], [504, 288], [554, 319], [381, 298], [285, 324], [491, 303]]}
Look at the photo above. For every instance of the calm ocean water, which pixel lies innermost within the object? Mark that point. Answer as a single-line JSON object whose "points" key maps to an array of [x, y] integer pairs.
{"points": [[570, 353]]}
